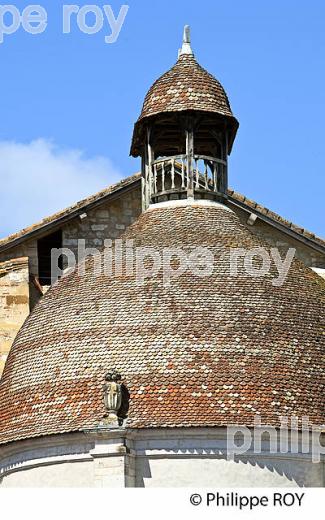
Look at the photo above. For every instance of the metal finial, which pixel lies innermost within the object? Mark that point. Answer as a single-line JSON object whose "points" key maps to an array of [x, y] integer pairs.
{"points": [[186, 34], [186, 47]]}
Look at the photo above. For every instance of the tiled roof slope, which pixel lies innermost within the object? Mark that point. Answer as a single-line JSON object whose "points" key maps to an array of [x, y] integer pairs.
{"points": [[272, 216], [133, 180], [186, 86], [205, 351]]}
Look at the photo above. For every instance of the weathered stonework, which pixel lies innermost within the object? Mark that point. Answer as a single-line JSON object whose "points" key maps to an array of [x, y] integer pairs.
{"points": [[27, 249], [108, 221], [14, 302]]}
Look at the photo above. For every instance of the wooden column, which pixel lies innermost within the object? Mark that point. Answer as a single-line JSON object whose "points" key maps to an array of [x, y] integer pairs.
{"points": [[223, 173], [149, 159], [144, 185], [225, 168], [190, 157]]}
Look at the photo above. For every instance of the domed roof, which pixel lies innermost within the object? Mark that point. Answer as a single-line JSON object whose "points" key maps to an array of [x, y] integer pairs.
{"points": [[205, 351], [185, 87]]}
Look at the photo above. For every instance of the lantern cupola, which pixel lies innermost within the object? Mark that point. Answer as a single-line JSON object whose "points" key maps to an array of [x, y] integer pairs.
{"points": [[184, 134]]}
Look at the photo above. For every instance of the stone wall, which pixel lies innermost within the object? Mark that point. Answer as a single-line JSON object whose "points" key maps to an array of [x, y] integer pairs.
{"points": [[14, 302], [108, 221], [26, 249]]}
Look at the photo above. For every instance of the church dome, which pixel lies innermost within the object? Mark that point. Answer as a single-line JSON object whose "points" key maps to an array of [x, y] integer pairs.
{"points": [[204, 351]]}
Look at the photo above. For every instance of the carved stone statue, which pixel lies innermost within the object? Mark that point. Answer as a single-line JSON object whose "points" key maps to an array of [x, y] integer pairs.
{"points": [[112, 390]]}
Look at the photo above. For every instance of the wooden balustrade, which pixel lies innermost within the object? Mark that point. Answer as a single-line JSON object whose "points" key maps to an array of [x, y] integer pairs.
{"points": [[169, 175]]}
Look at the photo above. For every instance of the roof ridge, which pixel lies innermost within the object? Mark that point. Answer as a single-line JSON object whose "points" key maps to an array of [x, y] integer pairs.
{"points": [[70, 209], [276, 217], [127, 181]]}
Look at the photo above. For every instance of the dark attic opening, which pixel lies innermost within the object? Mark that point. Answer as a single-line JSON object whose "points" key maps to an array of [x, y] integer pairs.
{"points": [[44, 249]]}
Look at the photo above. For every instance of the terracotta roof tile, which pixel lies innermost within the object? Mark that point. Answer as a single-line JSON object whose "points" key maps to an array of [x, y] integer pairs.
{"points": [[203, 352], [185, 87]]}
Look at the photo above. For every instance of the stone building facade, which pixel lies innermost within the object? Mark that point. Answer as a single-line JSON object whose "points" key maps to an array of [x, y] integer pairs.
{"points": [[14, 302]]}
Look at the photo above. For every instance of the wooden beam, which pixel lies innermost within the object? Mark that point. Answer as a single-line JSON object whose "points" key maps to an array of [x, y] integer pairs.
{"points": [[190, 153], [150, 158]]}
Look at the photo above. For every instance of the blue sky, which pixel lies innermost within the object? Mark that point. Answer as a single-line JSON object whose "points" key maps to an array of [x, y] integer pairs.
{"points": [[69, 101]]}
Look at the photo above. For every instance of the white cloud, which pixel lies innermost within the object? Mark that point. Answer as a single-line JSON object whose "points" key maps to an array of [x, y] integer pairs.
{"points": [[40, 178]]}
